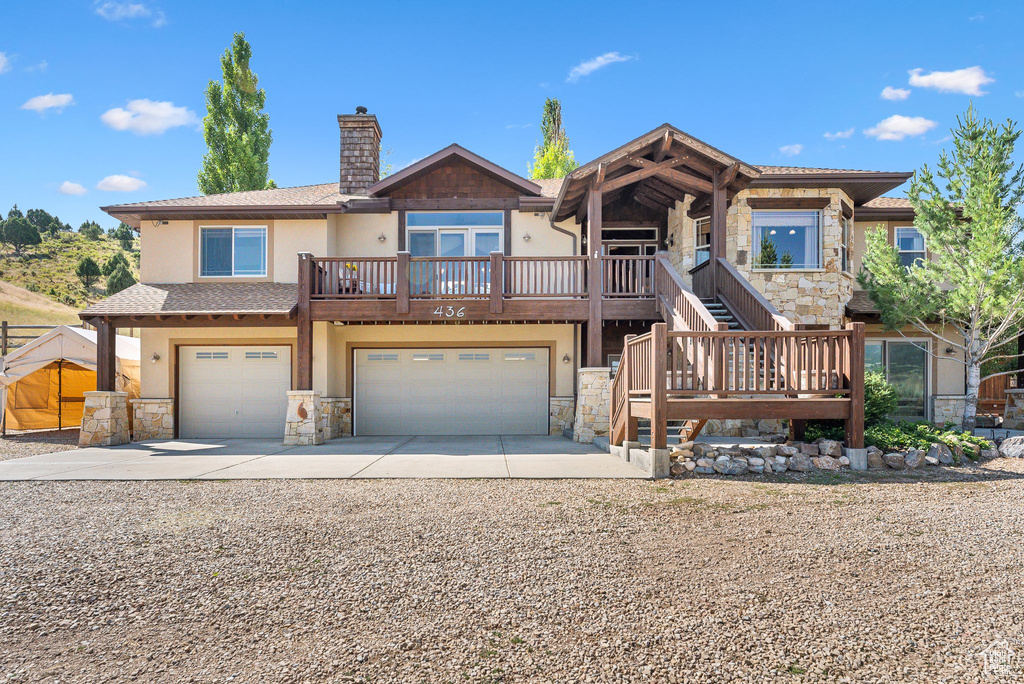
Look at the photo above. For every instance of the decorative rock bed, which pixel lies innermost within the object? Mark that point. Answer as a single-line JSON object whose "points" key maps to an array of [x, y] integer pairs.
{"points": [[697, 458]]}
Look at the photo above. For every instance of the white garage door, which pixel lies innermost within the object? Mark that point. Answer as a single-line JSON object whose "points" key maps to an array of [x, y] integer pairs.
{"points": [[451, 392], [233, 391]]}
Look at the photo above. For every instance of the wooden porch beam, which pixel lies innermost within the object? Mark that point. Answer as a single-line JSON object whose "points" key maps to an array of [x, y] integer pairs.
{"points": [[666, 189], [648, 169], [663, 147], [728, 176]]}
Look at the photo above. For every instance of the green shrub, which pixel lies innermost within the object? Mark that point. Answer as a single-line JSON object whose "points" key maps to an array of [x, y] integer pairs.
{"points": [[889, 436], [880, 402], [825, 429]]}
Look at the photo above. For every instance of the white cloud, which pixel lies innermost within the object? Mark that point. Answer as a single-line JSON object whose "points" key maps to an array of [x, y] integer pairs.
{"points": [[898, 127], [591, 65], [130, 11], [121, 183], [41, 66], [965, 81], [512, 126], [791, 150], [839, 135], [70, 188], [40, 103], [146, 117], [5, 62], [890, 93]]}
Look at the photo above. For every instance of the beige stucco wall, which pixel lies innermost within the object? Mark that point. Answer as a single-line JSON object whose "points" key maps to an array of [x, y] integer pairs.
{"points": [[167, 250], [292, 237], [544, 240], [356, 235]]}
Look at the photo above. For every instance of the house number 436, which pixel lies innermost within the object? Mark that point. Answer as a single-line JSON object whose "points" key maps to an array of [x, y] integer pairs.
{"points": [[450, 312]]}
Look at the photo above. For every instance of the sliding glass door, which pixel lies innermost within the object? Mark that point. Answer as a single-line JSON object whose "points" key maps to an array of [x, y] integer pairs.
{"points": [[451, 236], [905, 365]]}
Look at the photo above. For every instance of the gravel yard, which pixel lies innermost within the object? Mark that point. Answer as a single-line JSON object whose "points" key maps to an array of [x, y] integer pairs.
{"points": [[32, 443], [894, 577]]}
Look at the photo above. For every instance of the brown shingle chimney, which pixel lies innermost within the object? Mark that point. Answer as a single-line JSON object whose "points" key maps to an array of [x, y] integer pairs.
{"points": [[360, 151]]}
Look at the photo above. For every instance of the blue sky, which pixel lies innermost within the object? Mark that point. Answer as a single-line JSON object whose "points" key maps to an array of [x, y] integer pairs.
{"points": [[100, 101]]}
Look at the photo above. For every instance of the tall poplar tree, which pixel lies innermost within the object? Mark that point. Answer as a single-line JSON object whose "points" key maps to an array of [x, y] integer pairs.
{"points": [[236, 129], [968, 294], [552, 158]]}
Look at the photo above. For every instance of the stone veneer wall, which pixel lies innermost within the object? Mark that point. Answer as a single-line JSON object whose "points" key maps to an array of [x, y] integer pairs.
{"points": [[1013, 417], [336, 417], [592, 404], [104, 419], [152, 419], [816, 297], [303, 422], [948, 407], [757, 429], [562, 414]]}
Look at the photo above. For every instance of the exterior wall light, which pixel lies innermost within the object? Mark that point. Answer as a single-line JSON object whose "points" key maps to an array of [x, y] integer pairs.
{"points": [[154, 358], [382, 237], [566, 359], [526, 237]]}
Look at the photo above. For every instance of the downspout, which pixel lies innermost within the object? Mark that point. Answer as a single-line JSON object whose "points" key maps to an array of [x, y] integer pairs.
{"points": [[575, 326]]}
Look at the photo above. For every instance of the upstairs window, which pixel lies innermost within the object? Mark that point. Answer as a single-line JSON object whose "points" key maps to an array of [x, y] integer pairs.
{"points": [[702, 240], [786, 239], [844, 249], [233, 251], [910, 245]]}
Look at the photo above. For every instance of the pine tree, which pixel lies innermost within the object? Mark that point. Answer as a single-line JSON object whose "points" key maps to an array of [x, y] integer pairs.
{"points": [[767, 256], [552, 158], [786, 260], [236, 128], [113, 262], [19, 233], [88, 272], [120, 279], [968, 294]]}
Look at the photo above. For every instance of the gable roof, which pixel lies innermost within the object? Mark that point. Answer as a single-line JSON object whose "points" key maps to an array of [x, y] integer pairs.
{"points": [[427, 164]]}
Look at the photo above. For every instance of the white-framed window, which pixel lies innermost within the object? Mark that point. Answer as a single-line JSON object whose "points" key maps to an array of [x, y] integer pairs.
{"points": [[701, 240], [910, 245], [454, 233], [785, 238], [844, 248], [233, 251]]}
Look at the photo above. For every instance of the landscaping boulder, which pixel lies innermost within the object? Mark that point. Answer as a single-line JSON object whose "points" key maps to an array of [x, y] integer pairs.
{"points": [[914, 459], [676, 470], [731, 466], [809, 449], [826, 463], [986, 454], [1012, 447], [779, 464], [941, 452], [875, 459], [895, 460], [830, 447], [801, 463], [787, 450], [705, 466], [931, 460]]}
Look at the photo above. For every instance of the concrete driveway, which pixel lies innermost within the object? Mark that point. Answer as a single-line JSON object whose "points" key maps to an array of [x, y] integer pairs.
{"points": [[350, 457]]}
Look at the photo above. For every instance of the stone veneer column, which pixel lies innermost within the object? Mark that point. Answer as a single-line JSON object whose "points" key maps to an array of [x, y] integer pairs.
{"points": [[1013, 415], [104, 419], [337, 416], [152, 419], [592, 404], [304, 420]]}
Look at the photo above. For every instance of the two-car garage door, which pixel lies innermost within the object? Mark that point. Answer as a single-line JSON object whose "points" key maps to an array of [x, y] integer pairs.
{"points": [[228, 392], [487, 391]]}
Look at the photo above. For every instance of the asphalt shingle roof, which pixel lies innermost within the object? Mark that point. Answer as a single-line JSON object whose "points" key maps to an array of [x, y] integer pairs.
{"points": [[198, 298]]}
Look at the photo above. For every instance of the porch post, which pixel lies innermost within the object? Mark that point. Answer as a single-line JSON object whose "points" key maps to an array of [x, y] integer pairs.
{"points": [[718, 210], [855, 423], [402, 286], [659, 392], [496, 282], [106, 340], [595, 354], [304, 326]]}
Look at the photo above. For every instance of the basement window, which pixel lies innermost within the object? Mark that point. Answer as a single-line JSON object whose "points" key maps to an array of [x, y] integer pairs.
{"points": [[233, 252]]}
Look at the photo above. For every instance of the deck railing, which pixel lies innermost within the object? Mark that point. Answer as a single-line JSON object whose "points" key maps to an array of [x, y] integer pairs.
{"points": [[743, 298], [627, 276], [450, 278]]}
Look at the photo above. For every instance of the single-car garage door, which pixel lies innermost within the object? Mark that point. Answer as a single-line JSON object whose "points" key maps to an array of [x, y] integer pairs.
{"points": [[451, 391], [233, 391]]}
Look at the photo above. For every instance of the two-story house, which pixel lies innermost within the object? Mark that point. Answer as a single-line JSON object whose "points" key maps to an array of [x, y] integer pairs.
{"points": [[456, 297]]}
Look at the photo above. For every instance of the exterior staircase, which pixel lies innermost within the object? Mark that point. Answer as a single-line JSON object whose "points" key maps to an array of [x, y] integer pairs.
{"points": [[722, 314]]}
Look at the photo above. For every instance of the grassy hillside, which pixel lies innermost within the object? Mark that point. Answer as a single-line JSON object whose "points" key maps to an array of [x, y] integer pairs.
{"points": [[21, 307], [49, 268]]}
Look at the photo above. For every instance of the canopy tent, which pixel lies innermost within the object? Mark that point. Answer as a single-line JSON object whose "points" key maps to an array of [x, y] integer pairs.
{"points": [[42, 383]]}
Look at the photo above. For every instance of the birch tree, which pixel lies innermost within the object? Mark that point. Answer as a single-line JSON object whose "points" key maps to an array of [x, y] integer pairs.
{"points": [[968, 294]]}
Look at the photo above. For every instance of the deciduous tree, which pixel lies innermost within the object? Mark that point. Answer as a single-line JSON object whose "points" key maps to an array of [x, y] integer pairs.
{"points": [[552, 158], [236, 129], [968, 295]]}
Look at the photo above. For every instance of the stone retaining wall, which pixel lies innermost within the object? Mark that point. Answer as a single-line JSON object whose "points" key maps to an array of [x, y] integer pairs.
{"points": [[561, 414], [592, 404], [336, 417], [104, 419], [152, 419]]}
